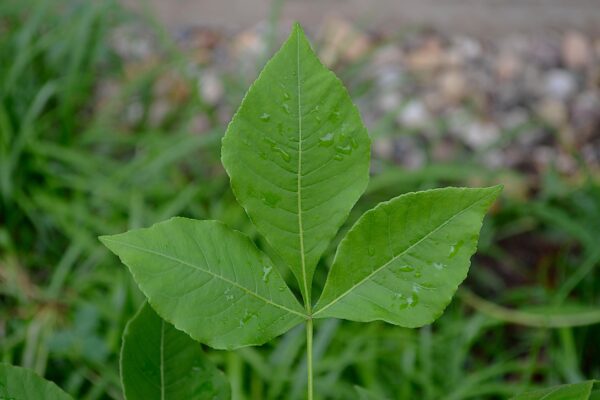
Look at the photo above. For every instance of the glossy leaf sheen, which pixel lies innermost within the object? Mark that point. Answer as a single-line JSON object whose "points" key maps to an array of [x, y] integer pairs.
{"points": [[160, 362], [575, 391], [18, 383], [403, 260], [209, 281], [297, 154]]}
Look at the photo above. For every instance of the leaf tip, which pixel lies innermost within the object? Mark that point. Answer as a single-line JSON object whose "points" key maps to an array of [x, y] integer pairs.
{"points": [[103, 239], [496, 190], [298, 32], [297, 28]]}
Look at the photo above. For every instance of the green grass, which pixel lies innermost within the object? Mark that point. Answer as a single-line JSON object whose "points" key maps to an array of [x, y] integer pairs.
{"points": [[71, 170]]}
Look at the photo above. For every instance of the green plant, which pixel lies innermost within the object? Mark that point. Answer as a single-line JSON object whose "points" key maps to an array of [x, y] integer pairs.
{"points": [[159, 361], [574, 391], [21, 383], [297, 154]]}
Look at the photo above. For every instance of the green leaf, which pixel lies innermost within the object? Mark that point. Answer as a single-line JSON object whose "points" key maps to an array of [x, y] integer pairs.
{"points": [[298, 155], [209, 281], [18, 383], [575, 391], [161, 362], [403, 260]]}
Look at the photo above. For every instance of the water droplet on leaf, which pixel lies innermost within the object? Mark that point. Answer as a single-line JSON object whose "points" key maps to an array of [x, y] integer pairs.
{"points": [[270, 199], [265, 117], [413, 300], [284, 154], [455, 248], [344, 149], [438, 266], [327, 140], [266, 273]]}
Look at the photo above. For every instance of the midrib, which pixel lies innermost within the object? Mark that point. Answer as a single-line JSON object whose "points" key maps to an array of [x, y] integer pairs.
{"points": [[299, 188], [397, 256]]}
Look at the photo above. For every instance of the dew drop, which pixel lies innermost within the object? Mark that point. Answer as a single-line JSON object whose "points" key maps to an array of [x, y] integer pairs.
{"points": [[334, 116], [371, 250], [286, 95], [270, 141], [353, 143], [413, 300], [265, 117], [281, 288], [275, 148], [284, 154], [338, 157], [400, 300], [417, 274], [438, 266], [270, 199], [266, 273], [406, 268], [344, 149], [327, 140], [286, 108], [247, 317], [455, 248]]}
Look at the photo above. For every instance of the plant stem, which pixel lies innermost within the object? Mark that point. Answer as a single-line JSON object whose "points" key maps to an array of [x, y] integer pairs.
{"points": [[309, 356]]}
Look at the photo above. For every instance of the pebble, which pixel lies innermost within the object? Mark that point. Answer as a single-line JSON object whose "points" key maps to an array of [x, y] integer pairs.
{"points": [[452, 85], [481, 134], [211, 87], [456, 93], [414, 115], [559, 84], [576, 50]]}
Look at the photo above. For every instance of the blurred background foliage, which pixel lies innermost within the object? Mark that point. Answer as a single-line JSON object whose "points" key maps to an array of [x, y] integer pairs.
{"points": [[110, 122]]}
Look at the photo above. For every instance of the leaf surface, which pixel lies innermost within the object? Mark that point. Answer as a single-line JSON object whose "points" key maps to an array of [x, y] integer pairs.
{"points": [[297, 154], [574, 391], [403, 260], [160, 362], [209, 281], [20, 383]]}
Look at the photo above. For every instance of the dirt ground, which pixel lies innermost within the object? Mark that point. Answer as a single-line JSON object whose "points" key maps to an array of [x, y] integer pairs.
{"points": [[479, 17]]}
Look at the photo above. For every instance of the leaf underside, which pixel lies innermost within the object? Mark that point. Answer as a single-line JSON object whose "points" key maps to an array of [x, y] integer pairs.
{"points": [[209, 281], [160, 362], [20, 383], [403, 260], [297, 154], [575, 391]]}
